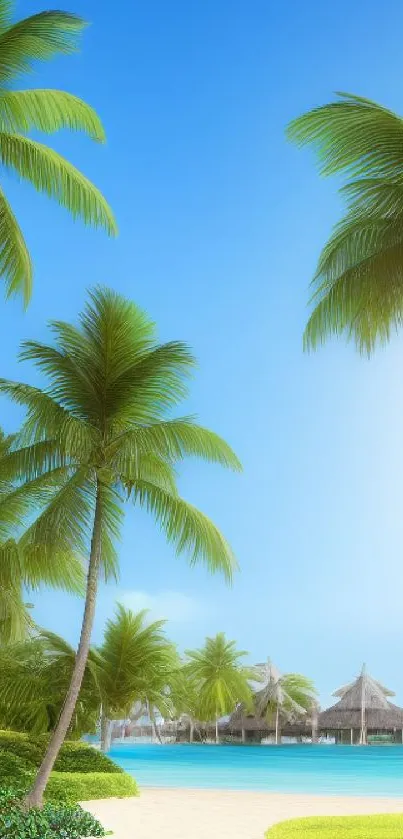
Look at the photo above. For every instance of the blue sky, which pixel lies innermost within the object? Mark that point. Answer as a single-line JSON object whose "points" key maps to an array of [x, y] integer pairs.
{"points": [[221, 222]]}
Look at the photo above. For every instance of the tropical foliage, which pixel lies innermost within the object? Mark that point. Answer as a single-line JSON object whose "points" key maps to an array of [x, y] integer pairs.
{"points": [[54, 821], [358, 288], [40, 37], [222, 681], [22, 569], [284, 696], [100, 434], [136, 664]]}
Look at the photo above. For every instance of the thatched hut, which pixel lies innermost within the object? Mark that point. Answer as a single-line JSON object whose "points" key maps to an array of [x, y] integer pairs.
{"points": [[363, 710]]}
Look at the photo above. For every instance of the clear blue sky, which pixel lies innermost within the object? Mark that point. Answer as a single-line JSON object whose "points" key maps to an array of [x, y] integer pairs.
{"points": [[220, 226]]}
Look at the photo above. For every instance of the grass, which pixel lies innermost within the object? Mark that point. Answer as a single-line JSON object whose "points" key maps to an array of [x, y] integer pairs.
{"points": [[340, 827]]}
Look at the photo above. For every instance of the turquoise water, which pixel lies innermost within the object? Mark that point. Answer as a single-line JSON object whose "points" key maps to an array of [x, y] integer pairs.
{"points": [[336, 770]]}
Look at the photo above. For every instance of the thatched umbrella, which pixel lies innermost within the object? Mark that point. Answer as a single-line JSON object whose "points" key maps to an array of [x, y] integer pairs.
{"points": [[363, 705], [288, 696]]}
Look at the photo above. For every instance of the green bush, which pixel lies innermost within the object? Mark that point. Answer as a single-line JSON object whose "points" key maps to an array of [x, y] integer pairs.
{"points": [[14, 769], [78, 757], [19, 744], [340, 827], [87, 786], [74, 756], [53, 822]]}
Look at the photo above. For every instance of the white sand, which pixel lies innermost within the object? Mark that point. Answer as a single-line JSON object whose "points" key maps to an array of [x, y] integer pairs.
{"points": [[221, 814]]}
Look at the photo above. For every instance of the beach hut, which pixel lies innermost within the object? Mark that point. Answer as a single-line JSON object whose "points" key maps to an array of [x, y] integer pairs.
{"points": [[362, 713]]}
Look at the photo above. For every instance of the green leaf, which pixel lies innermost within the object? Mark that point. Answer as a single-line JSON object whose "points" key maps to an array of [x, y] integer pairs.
{"points": [[15, 261], [187, 528], [50, 173], [47, 111], [38, 37]]}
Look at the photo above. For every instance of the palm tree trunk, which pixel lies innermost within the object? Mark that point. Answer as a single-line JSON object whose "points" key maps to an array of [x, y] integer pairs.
{"points": [[35, 795], [277, 724], [106, 733], [191, 731], [217, 736], [156, 733]]}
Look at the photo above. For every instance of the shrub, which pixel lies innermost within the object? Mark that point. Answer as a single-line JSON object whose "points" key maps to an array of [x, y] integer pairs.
{"points": [[19, 744], [74, 756], [340, 827], [78, 757], [53, 822], [87, 786], [14, 769]]}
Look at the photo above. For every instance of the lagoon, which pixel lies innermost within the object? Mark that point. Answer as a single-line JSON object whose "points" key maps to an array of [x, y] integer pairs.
{"points": [[320, 770]]}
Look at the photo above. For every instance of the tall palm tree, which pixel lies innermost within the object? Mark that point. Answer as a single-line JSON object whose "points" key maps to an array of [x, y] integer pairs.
{"points": [[358, 285], [100, 434], [22, 570], [286, 696], [223, 681], [134, 664], [41, 37]]}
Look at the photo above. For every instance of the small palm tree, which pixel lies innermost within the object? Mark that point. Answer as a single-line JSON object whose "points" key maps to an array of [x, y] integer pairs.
{"points": [[223, 682], [102, 434], [357, 288], [41, 37], [134, 664], [35, 675], [22, 570], [286, 696]]}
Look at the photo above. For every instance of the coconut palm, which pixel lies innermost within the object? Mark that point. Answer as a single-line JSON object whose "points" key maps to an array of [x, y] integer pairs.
{"points": [[134, 665], [285, 696], [223, 681], [22, 570], [185, 698], [358, 285], [101, 434], [41, 37], [35, 675]]}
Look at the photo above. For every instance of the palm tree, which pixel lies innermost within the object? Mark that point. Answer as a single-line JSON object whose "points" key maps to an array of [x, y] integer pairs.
{"points": [[41, 37], [35, 675], [286, 696], [134, 664], [22, 570], [99, 435], [358, 288], [185, 698], [223, 681]]}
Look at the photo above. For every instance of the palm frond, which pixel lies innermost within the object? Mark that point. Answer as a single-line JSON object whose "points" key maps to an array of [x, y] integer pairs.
{"points": [[354, 135], [64, 526], [175, 440], [36, 38], [15, 261], [47, 111], [50, 173], [187, 528]]}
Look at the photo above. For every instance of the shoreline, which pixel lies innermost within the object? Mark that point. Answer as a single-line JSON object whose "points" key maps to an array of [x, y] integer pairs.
{"points": [[181, 813]]}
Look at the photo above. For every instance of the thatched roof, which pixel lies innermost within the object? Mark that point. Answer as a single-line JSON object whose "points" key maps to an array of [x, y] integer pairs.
{"points": [[364, 693]]}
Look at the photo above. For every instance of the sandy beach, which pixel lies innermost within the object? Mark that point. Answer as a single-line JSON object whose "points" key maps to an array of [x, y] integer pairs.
{"points": [[222, 814]]}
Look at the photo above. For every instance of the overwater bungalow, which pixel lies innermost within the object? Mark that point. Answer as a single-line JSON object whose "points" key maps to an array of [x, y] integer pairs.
{"points": [[363, 713]]}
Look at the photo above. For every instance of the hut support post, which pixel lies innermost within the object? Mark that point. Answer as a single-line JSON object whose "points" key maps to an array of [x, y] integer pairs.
{"points": [[243, 734], [191, 731], [217, 737], [277, 724], [351, 736]]}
